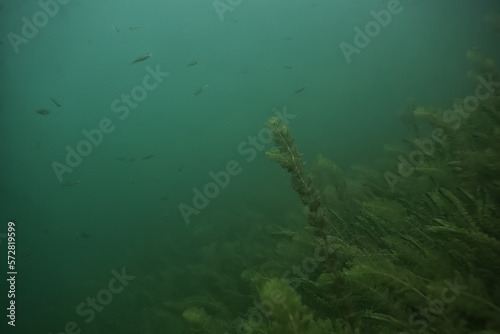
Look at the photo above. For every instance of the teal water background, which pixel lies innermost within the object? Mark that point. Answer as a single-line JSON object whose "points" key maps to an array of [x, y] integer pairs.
{"points": [[130, 209]]}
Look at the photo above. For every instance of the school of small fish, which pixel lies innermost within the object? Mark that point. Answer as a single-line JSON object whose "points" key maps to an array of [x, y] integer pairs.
{"points": [[138, 59]]}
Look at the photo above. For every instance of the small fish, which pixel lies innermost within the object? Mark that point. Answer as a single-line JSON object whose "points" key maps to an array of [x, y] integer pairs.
{"points": [[43, 111], [71, 183], [299, 90], [164, 198], [141, 58], [38, 146], [194, 62], [55, 102], [135, 27], [199, 91], [147, 157], [121, 158], [287, 67], [115, 28]]}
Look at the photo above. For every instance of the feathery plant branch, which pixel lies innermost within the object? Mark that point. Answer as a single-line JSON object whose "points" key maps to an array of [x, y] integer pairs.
{"points": [[288, 156]]}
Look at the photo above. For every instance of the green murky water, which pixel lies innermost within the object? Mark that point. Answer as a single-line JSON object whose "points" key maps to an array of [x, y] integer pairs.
{"points": [[142, 201]]}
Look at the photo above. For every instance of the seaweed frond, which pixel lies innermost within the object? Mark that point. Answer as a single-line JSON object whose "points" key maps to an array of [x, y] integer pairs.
{"points": [[289, 157]]}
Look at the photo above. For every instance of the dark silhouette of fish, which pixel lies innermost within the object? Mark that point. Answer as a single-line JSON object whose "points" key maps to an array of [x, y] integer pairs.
{"points": [[55, 102], [71, 183], [135, 27], [192, 63], [299, 90], [200, 90], [147, 157], [142, 58], [43, 112]]}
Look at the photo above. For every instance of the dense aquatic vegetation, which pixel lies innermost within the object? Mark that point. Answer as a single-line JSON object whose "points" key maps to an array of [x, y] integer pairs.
{"points": [[412, 246], [412, 251]]}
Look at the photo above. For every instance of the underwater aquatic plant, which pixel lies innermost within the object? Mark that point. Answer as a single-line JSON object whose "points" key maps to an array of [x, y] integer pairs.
{"points": [[287, 312], [287, 155], [484, 65], [197, 316], [396, 250]]}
